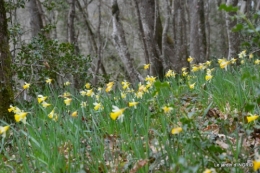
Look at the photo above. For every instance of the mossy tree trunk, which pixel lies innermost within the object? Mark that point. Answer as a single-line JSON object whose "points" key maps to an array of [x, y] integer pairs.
{"points": [[6, 92]]}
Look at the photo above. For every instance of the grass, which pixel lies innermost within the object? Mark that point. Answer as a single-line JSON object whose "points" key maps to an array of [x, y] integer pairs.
{"points": [[214, 135]]}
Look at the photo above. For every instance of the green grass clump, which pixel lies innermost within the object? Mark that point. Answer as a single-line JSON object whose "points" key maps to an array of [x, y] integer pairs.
{"points": [[203, 120]]}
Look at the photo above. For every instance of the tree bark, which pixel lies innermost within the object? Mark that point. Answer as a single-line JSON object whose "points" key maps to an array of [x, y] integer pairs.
{"points": [[202, 32], [152, 31], [233, 37], [118, 36], [36, 20], [141, 32], [6, 92], [194, 31]]}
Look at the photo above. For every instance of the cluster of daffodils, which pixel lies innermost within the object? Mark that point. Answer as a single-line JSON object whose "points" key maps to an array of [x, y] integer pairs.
{"points": [[19, 115]]}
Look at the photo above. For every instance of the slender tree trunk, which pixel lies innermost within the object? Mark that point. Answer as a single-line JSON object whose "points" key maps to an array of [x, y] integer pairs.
{"points": [[141, 32], [118, 36], [207, 29], [233, 37], [151, 25], [99, 45], [6, 92], [36, 20], [71, 28], [194, 31], [202, 32]]}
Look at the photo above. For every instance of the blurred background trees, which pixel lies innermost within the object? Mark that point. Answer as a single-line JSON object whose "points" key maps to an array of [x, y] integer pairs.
{"points": [[109, 40]]}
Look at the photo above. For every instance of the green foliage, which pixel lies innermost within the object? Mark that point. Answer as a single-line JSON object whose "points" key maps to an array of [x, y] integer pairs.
{"points": [[45, 58]]}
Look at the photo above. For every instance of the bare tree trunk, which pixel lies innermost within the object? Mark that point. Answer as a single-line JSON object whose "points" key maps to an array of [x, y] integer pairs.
{"points": [[36, 20], [194, 31], [6, 92], [233, 37], [141, 32], [207, 29], [118, 36], [99, 45], [151, 24], [164, 35], [71, 17], [202, 32]]}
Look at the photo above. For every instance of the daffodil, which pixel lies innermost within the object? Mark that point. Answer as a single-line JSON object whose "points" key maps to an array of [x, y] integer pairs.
{"points": [[133, 103], [90, 93], [190, 59], [251, 56], [3, 130], [26, 85], [11, 108], [256, 165], [146, 66], [87, 85], [20, 117], [66, 94], [125, 84], [233, 61], [123, 95], [117, 113], [223, 63], [176, 130], [170, 73], [67, 101], [195, 68], [97, 106], [208, 63], [251, 118], [45, 104], [257, 61], [208, 77], [41, 98], [167, 109], [83, 93], [74, 114], [151, 79], [83, 104], [207, 171], [48, 81], [191, 86], [109, 86], [53, 115], [242, 54], [67, 83]]}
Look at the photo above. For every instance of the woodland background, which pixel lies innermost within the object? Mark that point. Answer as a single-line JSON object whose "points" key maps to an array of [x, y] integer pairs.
{"points": [[103, 40]]}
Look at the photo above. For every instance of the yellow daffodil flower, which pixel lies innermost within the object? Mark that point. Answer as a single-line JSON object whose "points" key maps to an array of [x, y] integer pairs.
{"points": [[170, 73], [21, 117], [109, 86], [207, 171], [11, 108], [146, 66], [83, 93], [131, 104], [242, 54], [251, 118], [117, 113], [87, 85], [208, 63], [67, 83], [66, 94], [74, 114], [83, 104], [195, 68], [90, 93], [97, 106], [256, 165], [208, 77], [257, 61], [176, 130], [48, 81], [151, 79], [167, 109], [251, 56], [125, 84], [26, 85], [190, 59], [45, 104], [123, 95], [41, 98], [53, 115], [191, 86], [67, 101], [233, 61], [3, 130]]}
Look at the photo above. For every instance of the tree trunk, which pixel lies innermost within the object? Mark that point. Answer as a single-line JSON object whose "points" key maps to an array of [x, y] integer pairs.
{"points": [[151, 25], [194, 31], [36, 20], [233, 37], [6, 92], [118, 36], [141, 32], [202, 32]]}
